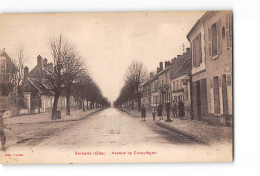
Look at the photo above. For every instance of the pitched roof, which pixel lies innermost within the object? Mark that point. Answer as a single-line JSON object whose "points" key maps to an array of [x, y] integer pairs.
{"points": [[184, 69], [40, 86], [181, 66]]}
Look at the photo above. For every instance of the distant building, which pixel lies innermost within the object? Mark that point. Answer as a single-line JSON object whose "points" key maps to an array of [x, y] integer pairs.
{"points": [[146, 92], [38, 90], [180, 79], [7, 69]]}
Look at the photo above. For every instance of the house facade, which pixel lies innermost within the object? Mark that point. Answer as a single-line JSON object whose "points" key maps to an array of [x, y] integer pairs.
{"points": [[7, 69], [218, 45], [180, 80], [38, 91], [199, 104], [211, 43], [155, 95]]}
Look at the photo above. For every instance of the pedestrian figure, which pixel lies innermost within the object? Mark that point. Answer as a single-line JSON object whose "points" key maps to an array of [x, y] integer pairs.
{"points": [[159, 111], [143, 112], [181, 108], [168, 110], [154, 113], [174, 109]]}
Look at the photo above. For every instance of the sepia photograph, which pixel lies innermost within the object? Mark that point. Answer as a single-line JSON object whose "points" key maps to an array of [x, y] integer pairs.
{"points": [[116, 87]]}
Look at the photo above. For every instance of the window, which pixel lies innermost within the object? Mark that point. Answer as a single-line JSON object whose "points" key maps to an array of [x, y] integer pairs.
{"points": [[229, 80], [196, 51], [180, 84], [2, 64], [177, 85], [228, 19], [214, 39], [220, 81], [173, 85]]}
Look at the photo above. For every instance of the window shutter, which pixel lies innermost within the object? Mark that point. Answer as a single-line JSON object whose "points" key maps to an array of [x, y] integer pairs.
{"points": [[227, 30], [230, 28], [219, 36], [200, 50], [210, 42], [193, 53]]}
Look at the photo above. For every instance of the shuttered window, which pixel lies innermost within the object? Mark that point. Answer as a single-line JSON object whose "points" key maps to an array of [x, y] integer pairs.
{"points": [[214, 39], [210, 42], [197, 51], [219, 36], [228, 34]]}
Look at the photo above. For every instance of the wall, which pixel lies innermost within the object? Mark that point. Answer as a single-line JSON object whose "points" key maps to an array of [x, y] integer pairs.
{"points": [[218, 65]]}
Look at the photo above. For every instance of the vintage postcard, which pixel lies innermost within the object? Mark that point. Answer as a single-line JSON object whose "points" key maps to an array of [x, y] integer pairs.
{"points": [[116, 87]]}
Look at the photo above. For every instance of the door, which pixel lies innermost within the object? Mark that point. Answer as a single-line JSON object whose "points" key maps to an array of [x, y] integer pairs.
{"points": [[224, 94], [198, 99], [216, 95]]}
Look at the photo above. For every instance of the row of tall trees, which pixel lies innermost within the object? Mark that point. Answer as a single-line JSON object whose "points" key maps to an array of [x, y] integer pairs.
{"points": [[136, 76], [88, 92], [70, 73], [68, 77]]}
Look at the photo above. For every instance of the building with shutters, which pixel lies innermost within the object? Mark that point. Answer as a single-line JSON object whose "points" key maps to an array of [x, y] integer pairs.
{"points": [[180, 80], [211, 43], [218, 49], [199, 103]]}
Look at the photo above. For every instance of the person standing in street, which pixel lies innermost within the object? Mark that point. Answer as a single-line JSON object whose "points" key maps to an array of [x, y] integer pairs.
{"points": [[143, 112], [154, 113], [174, 109], [168, 110], [159, 111], [181, 108]]}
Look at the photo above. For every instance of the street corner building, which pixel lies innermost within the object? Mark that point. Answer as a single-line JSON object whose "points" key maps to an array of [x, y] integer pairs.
{"points": [[211, 43]]}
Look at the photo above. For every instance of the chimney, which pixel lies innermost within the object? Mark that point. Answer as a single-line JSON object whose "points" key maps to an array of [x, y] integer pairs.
{"points": [[25, 72], [167, 63], [187, 50], [45, 62], [39, 60], [158, 70], [161, 66], [178, 56]]}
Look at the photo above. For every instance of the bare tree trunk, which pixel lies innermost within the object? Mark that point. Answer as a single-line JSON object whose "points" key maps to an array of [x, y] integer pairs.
{"points": [[83, 106], [55, 104], [68, 91], [68, 104], [132, 104], [139, 103], [87, 105]]}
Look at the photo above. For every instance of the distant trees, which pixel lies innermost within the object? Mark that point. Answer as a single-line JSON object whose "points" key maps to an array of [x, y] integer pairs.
{"points": [[15, 72], [136, 76], [87, 91]]}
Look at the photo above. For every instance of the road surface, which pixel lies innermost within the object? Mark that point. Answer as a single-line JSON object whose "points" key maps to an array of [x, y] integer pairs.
{"points": [[106, 132], [112, 127]]}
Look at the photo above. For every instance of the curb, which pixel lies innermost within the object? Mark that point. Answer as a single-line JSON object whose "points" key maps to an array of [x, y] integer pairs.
{"points": [[53, 121], [195, 138]]}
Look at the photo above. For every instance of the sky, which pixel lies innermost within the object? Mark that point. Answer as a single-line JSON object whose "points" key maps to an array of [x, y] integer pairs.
{"points": [[108, 42]]}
